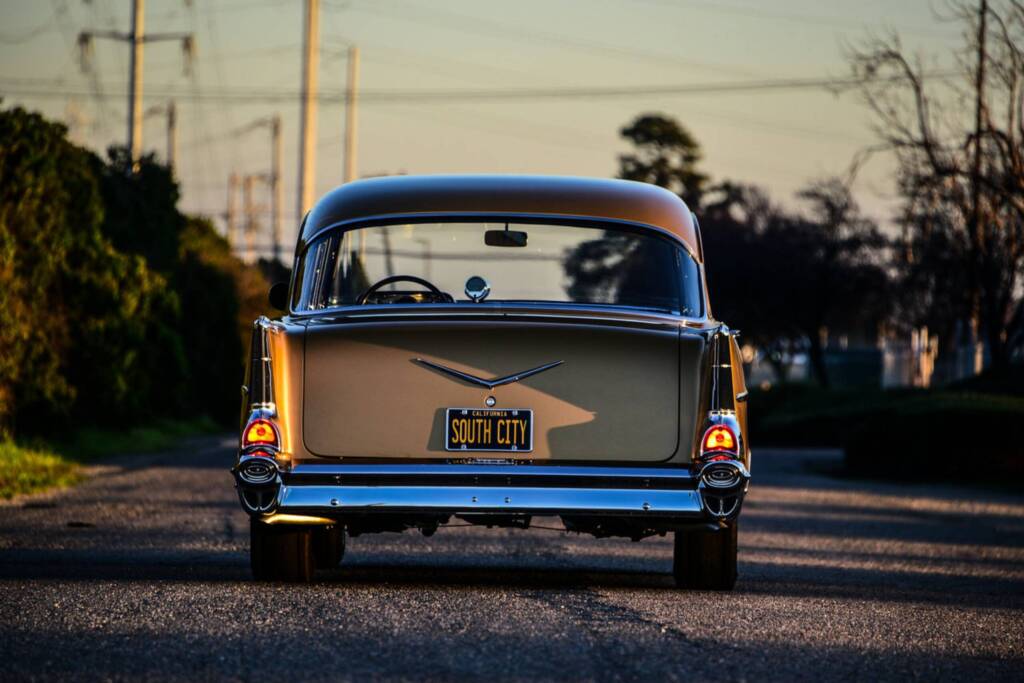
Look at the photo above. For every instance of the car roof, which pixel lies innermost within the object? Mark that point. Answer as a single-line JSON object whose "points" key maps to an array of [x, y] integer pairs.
{"points": [[504, 195]]}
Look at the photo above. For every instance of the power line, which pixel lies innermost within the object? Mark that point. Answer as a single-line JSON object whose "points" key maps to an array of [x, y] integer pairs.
{"points": [[757, 13], [41, 88], [451, 20], [26, 87]]}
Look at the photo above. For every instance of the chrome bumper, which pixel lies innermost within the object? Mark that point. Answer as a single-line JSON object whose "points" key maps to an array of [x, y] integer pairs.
{"points": [[329, 492], [321, 500]]}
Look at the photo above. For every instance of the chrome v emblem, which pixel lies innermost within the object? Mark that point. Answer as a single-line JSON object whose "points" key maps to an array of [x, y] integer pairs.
{"points": [[489, 383]]}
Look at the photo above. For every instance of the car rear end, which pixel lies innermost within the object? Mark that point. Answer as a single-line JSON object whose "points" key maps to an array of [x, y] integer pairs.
{"points": [[623, 418]]}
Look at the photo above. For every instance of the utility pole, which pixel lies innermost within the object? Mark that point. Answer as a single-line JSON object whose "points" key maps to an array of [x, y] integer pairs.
{"points": [[276, 185], [170, 111], [975, 227], [232, 215], [275, 177], [250, 216], [352, 114], [172, 136], [135, 83], [136, 37], [307, 133]]}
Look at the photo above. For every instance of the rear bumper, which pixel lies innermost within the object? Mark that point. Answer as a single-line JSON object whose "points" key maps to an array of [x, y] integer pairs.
{"points": [[321, 500], [335, 492]]}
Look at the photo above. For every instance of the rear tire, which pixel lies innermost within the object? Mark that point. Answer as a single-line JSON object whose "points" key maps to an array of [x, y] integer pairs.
{"points": [[328, 546], [280, 552], [705, 560]]}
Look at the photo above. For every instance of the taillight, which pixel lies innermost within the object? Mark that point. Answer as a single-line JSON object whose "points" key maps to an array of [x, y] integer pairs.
{"points": [[719, 438], [260, 432]]}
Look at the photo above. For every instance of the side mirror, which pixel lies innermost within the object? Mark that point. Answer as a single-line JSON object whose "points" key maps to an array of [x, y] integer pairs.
{"points": [[278, 296]]}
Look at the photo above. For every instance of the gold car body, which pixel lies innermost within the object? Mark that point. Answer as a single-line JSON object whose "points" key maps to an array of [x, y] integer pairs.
{"points": [[358, 395]]}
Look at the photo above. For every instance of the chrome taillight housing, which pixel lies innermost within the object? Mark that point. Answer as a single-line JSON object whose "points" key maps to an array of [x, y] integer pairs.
{"points": [[719, 441], [257, 470], [261, 432]]}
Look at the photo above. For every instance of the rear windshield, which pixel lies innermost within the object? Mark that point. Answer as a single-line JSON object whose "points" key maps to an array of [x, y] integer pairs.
{"points": [[520, 263]]}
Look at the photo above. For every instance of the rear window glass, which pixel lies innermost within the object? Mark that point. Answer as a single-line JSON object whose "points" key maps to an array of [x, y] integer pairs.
{"points": [[519, 263]]}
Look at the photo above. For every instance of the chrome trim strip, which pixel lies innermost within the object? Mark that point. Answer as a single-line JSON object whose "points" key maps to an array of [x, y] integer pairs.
{"points": [[510, 470], [488, 383], [457, 500], [549, 309], [260, 390]]}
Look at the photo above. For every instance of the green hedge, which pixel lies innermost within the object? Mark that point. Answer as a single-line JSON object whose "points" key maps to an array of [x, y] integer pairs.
{"points": [[974, 437], [907, 433], [115, 308]]}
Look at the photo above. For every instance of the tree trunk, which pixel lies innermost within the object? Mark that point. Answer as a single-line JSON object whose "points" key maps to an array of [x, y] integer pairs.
{"points": [[998, 348], [780, 368], [817, 358]]}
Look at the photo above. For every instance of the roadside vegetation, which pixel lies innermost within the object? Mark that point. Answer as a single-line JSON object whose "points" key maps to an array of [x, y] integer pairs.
{"points": [[951, 434], [38, 464], [116, 309], [27, 470]]}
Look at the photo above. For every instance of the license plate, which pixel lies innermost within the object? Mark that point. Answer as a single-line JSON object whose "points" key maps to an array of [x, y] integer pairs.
{"points": [[487, 429]]}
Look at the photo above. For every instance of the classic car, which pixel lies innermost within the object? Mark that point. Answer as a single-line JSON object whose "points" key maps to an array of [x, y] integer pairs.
{"points": [[494, 349]]}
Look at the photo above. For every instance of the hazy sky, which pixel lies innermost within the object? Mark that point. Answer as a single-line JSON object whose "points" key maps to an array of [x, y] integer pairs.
{"points": [[777, 139]]}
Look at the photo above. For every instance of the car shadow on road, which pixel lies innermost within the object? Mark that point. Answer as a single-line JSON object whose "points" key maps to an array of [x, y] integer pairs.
{"points": [[367, 570]]}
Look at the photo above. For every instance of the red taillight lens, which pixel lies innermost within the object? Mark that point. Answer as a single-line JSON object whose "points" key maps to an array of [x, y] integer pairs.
{"points": [[260, 432], [719, 438]]}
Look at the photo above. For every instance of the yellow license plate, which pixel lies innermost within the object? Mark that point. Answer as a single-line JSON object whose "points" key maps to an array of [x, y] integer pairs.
{"points": [[488, 429]]}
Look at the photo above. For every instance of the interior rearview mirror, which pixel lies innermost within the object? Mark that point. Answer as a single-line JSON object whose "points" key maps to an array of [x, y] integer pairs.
{"points": [[279, 296], [505, 238]]}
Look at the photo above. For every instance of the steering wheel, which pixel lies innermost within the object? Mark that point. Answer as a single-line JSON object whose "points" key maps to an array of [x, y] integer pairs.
{"points": [[361, 300]]}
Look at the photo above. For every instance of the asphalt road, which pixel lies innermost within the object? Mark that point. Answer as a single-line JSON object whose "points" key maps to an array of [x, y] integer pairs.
{"points": [[141, 573]]}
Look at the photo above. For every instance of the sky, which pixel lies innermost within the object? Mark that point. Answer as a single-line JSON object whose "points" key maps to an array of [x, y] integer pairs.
{"points": [[251, 49]]}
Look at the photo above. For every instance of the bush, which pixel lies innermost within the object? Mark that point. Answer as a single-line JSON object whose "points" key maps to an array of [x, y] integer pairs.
{"points": [[941, 436], [115, 308], [807, 416], [913, 434], [86, 331], [207, 277]]}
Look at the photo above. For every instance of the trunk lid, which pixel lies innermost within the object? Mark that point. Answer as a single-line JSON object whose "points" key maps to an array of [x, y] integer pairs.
{"points": [[615, 397]]}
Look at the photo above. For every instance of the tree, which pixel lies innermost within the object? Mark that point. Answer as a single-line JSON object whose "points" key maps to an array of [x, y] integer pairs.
{"points": [[142, 214], [743, 269], [206, 278], [37, 170], [784, 278], [218, 296], [665, 155], [86, 331], [961, 161], [834, 269]]}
